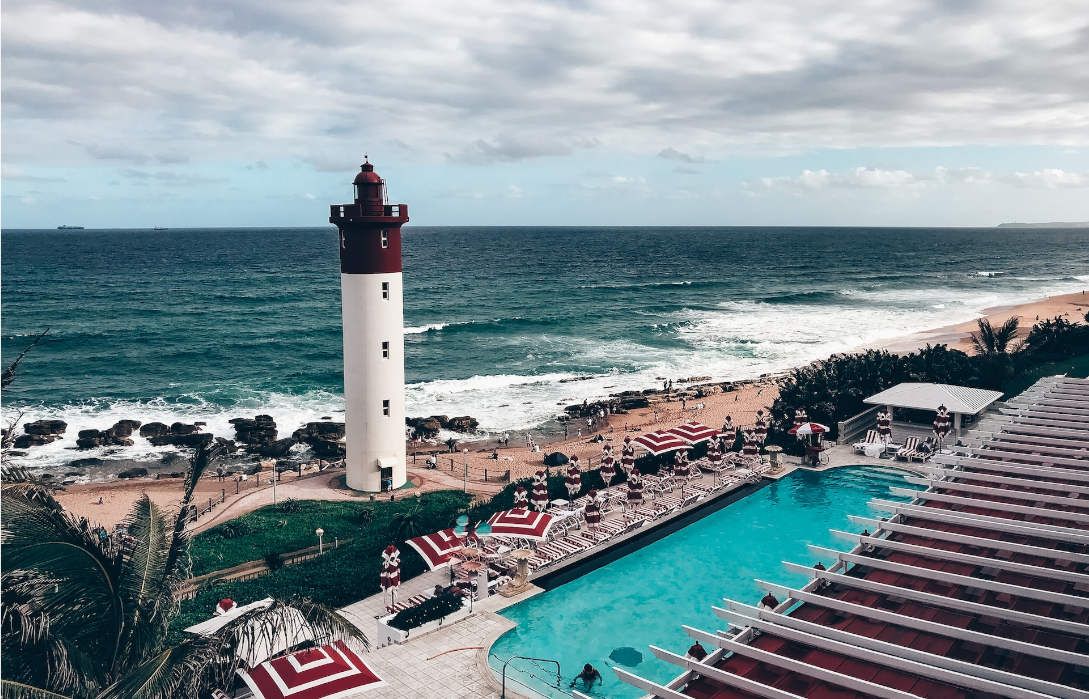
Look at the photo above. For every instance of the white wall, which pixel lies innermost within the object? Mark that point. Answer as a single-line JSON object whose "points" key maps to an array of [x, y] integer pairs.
{"points": [[369, 379]]}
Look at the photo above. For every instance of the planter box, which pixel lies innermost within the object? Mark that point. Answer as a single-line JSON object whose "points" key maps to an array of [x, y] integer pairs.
{"points": [[387, 634]]}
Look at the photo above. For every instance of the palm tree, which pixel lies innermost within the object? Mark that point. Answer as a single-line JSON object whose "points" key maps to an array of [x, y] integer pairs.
{"points": [[82, 618], [988, 340], [407, 524]]}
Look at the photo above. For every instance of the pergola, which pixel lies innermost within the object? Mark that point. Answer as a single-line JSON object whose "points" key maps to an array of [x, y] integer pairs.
{"points": [[958, 400]]}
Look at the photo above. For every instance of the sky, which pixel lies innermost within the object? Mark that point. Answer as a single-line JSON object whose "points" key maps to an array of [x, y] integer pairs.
{"points": [[128, 113]]}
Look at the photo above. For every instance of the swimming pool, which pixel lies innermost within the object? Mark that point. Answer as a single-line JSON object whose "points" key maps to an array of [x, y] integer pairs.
{"points": [[644, 597]]}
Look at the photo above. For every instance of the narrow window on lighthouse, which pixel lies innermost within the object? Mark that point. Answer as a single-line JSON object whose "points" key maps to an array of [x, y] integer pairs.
{"points": [[385, 239], [385, 350], [385, 408], [385, 290]]}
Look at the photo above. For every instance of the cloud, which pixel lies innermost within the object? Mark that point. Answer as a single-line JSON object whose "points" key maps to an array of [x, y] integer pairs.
{"points": [[12, 173], [1050, 178], [168, 177], [510, 150], [859, 178], [513, 191], [674, 154]]}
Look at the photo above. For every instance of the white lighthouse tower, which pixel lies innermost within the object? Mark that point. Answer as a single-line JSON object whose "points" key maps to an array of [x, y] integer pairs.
{"points": [[374, 343]]}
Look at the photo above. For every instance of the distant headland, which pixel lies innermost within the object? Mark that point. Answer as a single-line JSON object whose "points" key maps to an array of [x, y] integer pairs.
{"points": [[1047, 224]]}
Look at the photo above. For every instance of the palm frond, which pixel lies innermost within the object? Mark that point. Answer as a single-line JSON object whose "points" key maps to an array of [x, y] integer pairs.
{"points": [[143, 577], [1006, 333], [18, 690], [179, 671]]}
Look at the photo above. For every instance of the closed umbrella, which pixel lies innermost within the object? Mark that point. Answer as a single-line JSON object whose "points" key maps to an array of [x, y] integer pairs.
{"points": [[884, 426], [942, 424], [391, 571], [608, 465], [800, 417], [627, 455], [635, 488], [680, 464], [593, 510], [574, 478], [760, 429], [751, 447], [714, 451], [521, 497], [539, 498]]}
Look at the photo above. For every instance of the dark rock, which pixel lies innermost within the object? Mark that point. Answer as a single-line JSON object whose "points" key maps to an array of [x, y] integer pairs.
{"points": [[463, 424], [260, 430], [120, 430], [319, 429], [133, 473], [634, 403], [74, 473], [25, 441], [228, 444], [182, 440], [200, 424], [90, 434], [182, 428], [326, 417], [275, 449], [176, 474], [16, 453], [44, 427], [327, 447], [441, 419], [46, 476], [154, 429], [424, 427], [130, 423], [83, 463]]}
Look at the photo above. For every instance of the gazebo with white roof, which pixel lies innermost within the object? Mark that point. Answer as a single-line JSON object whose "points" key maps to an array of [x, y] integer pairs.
{"points": [[958, 400]]}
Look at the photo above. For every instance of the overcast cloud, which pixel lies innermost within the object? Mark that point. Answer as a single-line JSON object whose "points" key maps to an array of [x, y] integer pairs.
{"points": [[536, 98]]}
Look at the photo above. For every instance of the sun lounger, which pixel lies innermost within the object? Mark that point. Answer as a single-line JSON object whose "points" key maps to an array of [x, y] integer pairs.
{"points": [[910, 445], [871, 438], [405, 604]]}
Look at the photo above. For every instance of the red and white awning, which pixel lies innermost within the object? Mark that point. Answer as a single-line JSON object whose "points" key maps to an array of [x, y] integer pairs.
{"points": [[808, 428], [522, 522], [437, 549], [694, 432], [325, 672], [660, 442]]}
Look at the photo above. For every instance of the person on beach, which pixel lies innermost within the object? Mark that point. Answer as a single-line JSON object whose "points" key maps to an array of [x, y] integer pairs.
{"points": [[697, 651], [588, 676]]}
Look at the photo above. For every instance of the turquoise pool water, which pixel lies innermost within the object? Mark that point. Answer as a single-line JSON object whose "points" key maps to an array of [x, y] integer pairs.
{"points": [[644, 597]]}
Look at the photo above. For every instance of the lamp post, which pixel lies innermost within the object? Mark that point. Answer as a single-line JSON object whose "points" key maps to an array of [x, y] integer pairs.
{"points": [[465, 477], [320, 532]]}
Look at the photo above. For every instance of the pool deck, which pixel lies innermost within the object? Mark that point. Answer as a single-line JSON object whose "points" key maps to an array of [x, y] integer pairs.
{"points": [[451, 662]]}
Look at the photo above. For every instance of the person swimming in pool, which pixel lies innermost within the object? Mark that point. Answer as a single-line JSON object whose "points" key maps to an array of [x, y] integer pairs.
{"points": [[589, 676]]}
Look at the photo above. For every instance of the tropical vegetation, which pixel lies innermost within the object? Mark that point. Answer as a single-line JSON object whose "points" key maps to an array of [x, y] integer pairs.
{"points": [[89, 616]]}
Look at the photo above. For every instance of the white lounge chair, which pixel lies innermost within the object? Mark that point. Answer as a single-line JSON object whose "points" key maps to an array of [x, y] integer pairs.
{"points": [[871, 438]]}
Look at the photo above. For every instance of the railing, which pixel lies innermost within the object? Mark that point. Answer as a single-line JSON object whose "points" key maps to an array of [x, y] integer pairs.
{"points": [[855, 425], [355, 210]]}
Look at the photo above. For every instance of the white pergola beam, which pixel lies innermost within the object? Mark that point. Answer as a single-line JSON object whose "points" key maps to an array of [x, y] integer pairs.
{"points": [[953, 578], [1046, 461], [997, 492], [655, 689], [919, 624], [975, 462], [1036, 448], [982, 542], [905, 659], [1012, 526], [1017, 438], [1034, 620], [983, 561], [1009, 480], [991, 504], [792, 665]]}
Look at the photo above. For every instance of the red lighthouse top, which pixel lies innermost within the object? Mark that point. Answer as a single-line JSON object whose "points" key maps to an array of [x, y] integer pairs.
{"points": [[369, 228], [370, 201], [368, 175]]}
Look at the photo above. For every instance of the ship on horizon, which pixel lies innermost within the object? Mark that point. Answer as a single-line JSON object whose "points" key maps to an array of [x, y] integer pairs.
{"points": [[69, 228]]}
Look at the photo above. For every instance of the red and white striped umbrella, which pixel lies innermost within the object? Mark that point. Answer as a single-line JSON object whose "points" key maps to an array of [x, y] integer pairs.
{"points": [[391, 567], [750, 447], [635, 488], [714, 451], [574, 477], [808, 428], [760, 428], [437, 549], [521, 522], [661, 442], [608, 466], [884, 425], [694, 432], [539, 498], [800, 417], [593, 510], [326, 672], [627, 455], [521, 497], [680, 464]]}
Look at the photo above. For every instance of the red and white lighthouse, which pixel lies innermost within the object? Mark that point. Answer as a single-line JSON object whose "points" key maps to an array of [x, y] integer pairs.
{"points": [[374, 344]]}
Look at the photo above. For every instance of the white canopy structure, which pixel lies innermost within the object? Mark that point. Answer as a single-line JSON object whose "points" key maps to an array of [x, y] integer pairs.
{"points": [[958, 400]]}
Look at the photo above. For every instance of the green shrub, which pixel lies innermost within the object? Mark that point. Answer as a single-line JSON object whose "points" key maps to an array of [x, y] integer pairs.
{"points": [[434, 608], [290, 506], [274, 560]]}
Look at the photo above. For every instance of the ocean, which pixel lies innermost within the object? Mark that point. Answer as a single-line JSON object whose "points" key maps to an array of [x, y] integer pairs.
{"points": [[506, 324]]}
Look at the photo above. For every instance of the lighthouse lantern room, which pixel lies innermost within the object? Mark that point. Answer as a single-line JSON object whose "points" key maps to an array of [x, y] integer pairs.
{"points": [[374, 347]]}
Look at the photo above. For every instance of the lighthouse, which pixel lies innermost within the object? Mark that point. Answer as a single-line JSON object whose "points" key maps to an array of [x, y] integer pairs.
{"points": [[372, 308]]}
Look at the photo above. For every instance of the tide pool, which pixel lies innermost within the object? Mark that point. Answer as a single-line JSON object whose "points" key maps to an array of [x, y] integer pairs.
{"points": [[645, 597]]}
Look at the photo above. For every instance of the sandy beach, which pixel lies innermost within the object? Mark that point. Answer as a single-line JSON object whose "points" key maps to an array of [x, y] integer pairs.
{"points": [[108, 502]]}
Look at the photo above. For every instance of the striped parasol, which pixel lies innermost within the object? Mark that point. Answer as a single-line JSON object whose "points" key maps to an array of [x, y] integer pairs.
{"points": [[627, 455], [521, 522], [574, 477], [884, 426], [942, 423], [694, 432], [437, 549], [593, 510], [661, 442], [800, 417], [391, 567], [323, 672], [680, 464], [521, 497], [608, 465], [635, 488], [539, 498], [714, 451], [750, 447], [760, 428]]}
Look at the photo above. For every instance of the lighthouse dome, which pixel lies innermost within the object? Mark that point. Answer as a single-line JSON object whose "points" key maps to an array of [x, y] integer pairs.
{"points": [[367, 175]]}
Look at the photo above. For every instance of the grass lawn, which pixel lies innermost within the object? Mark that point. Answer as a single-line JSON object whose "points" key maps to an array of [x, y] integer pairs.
{"points": [[1075, 366], [340, 577]]}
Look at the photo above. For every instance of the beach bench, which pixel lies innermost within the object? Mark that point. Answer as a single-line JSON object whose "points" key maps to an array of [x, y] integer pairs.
{"points": [[870, 438], [910, 445]]}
